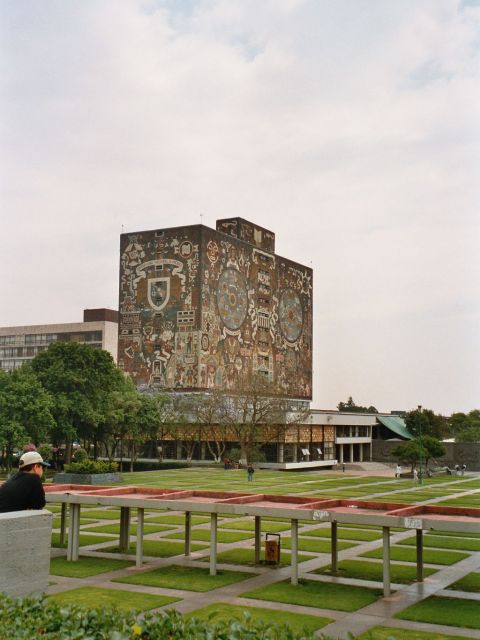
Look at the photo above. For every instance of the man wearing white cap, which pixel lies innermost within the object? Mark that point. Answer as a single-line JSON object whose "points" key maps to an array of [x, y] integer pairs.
{"points": [[24, 490]]}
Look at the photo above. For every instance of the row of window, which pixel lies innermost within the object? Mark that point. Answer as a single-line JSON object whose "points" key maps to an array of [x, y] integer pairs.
{"points": [[358, 431], [47, 338]]}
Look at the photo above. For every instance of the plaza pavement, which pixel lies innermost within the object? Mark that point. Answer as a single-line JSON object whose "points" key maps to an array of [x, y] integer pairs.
{"points": [[380, 612]]}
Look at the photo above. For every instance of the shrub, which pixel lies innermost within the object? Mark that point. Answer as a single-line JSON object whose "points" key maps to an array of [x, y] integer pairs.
{"points": [[80, 455], [91, 466], [27, 618], [46, 451]]}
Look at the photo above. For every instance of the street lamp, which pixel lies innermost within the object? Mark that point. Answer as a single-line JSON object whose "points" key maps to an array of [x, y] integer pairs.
{"points": [[420, 474]]}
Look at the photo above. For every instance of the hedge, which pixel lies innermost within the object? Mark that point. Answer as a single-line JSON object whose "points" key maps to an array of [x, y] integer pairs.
{"points": [[27, 618]]}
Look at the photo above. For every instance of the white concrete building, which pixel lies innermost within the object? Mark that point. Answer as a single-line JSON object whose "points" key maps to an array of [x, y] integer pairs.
{"points": [[20, 344]]}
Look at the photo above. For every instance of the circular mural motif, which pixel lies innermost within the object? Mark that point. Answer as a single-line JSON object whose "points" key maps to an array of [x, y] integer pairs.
{"points": [[232, 298], [290, 314]]}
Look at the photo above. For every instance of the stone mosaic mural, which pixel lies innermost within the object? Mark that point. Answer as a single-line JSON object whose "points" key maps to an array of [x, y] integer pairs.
{"points": [[203, 309]]}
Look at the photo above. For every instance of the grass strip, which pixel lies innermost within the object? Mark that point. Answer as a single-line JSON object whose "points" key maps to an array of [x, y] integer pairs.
{"points": [[298, 623], [388, 633], [454, 612], [157, 548], [115, 528], [186, 578], [97, 598], [246, 557], [84, 540], [249, 525], [315, 546], [204, 536], [85, 567], [366, 570], [470, 582], [409, 554], [463, 544], [321, 595]]}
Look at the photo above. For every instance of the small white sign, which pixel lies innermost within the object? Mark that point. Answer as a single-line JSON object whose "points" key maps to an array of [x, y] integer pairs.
{"points": [[321, 515], [412, 523]]}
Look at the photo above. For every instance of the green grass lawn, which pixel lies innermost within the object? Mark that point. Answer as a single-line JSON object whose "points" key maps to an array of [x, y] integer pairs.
{"points": [[115, 528], [470, 582], [101, 514], [158, 548], [365, 570], [249, 525], [84, 540], [315, 545], [296, 622], [388, 633], [176, 520], [345, 533], [57, 522], [96, 598], [464, 544], [409, 554], [454, 612], [85, 567], [245, 556], [321, 595], [454, 534], [186, 578], [204, 535]]}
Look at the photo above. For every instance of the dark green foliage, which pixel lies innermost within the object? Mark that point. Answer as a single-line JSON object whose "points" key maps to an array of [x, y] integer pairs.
{"points": [[91, 466], [424, 422], [24, 619], [351, 407]]}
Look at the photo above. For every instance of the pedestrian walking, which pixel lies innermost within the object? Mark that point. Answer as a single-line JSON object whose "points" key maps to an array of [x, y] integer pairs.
{"points": [[398, 471], [415, 476], [250, 472]]}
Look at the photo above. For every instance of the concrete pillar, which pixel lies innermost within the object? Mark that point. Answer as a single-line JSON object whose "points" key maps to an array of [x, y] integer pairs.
{"points": [[386, 561], [294, 553], [188, 532], [74, 532], [70, 532], [124, 541], [213, 544], [258, 538], [419, 555], [351, 452], [202, 450], [361, 452], [341, 454], [179, 450], [139, 546], [63, 524], [295, 453], [371, 451], [334, 547], [280, 451]]}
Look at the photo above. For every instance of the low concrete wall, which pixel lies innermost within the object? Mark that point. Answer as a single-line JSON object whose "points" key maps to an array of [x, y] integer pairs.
{"points": [[25, 538], [87, 478], [457, 453]]}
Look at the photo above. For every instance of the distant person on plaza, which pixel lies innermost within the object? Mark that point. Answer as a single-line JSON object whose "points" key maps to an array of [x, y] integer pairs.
{"points": [[464, 468], [457, 470], [415, 475], [24, 490], [398, 471], [250, 472]]}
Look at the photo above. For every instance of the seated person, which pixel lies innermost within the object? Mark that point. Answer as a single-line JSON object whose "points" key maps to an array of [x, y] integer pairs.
{"points": [[24, 490]]}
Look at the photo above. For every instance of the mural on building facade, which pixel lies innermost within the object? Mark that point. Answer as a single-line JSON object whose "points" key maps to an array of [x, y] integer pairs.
{"points": [[201, 309]]}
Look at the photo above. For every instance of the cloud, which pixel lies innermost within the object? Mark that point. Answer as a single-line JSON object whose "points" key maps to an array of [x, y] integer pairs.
{"points": [[351, 129]]}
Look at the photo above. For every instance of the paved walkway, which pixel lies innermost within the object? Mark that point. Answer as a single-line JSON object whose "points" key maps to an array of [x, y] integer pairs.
{"points": [[379, 613]]}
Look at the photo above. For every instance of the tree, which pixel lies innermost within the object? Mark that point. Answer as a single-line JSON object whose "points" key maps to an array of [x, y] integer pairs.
{"points": [[211, 414], [409, 453], [25, 411], [424, 422], [351, 407], [419, 450], [257, 414], [465, 427], [80, 380]]}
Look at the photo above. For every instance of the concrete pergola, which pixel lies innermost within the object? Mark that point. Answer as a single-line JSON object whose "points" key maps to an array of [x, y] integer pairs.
{"points": [[416, 517]]}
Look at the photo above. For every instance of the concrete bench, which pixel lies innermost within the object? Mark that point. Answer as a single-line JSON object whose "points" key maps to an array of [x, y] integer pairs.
{"points": [[25, 540]]}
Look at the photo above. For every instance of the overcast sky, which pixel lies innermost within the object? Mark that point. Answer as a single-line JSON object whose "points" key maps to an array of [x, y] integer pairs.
{"points": [[350, 128]]}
